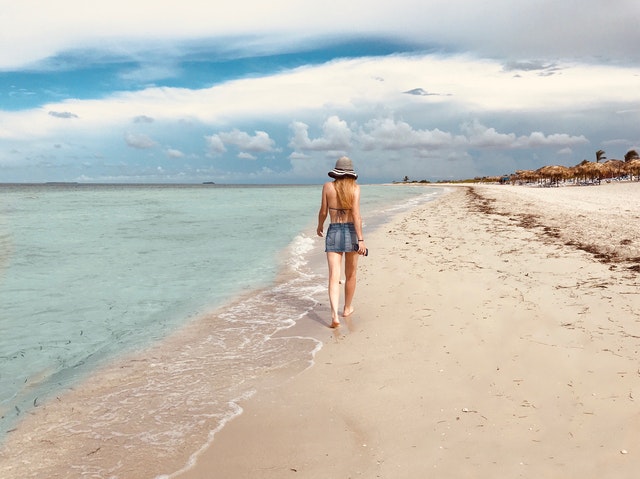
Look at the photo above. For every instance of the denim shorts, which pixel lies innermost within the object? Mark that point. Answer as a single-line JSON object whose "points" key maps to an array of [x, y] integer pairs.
{"points": [[341, 238]]}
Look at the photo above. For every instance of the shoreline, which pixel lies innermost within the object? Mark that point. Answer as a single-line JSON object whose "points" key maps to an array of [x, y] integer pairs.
{"points": [[59, 434], [88, 426], [487, 341]]}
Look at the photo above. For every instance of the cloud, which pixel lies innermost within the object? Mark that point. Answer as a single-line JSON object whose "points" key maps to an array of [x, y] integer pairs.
{"points": [[215, 144], [537, 139], [336, 136], [17, 92], [62, 114], [527, 66], [480, 136], [494, 28], [143, 119], [389, 134], [258, 143], [420, 92], [296, 155], [139, 141], [543, 69], [149, 73], [617, 142], [341, 86], [248, 145], [174, 154]]}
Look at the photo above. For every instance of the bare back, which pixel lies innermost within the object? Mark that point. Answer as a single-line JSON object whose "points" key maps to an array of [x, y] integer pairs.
{"points": [[336, 213]]}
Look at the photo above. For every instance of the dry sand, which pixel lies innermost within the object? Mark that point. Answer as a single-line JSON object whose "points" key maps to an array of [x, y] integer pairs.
{"points": [[496, 335]]}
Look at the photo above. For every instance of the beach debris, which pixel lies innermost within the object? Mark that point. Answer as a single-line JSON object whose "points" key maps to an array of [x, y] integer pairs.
{"points": [[624, 451], [467, 410], [94, 451]]}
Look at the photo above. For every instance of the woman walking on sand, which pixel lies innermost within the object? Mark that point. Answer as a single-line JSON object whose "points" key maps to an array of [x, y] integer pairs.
{"points": [[341, 201]]}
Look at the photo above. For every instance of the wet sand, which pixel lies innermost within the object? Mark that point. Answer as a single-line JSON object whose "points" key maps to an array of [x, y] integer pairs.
{"points": [[496, 334]]}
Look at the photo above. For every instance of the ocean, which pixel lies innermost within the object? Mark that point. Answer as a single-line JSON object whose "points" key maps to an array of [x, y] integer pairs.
{"points": [[140, 316]]}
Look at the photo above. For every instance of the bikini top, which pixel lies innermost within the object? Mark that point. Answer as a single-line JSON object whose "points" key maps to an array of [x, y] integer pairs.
{"points": [[341, 213]]}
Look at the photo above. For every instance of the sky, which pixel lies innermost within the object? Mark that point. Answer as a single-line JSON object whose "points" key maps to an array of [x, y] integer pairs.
{"points": [[275, 92]]}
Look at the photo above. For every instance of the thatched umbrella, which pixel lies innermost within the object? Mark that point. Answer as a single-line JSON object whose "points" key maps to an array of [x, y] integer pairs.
{"points": [[597, 170], [573, 172], [526, 175], [589, 170], [614, 168], [580, 171], [633, 168], [554, 173]]}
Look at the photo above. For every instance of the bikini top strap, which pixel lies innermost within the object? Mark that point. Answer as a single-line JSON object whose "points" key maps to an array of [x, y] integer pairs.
{"points": [[340, 211]]}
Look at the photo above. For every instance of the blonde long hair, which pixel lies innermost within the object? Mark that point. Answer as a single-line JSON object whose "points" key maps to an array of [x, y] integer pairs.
{"points": [[345, 189]]}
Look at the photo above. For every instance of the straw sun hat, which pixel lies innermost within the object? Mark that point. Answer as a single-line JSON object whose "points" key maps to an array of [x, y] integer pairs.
{"points": [[344, 167]]}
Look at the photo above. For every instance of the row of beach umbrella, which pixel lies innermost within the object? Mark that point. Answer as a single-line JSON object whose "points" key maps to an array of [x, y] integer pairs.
{"points": [[587, 171]]}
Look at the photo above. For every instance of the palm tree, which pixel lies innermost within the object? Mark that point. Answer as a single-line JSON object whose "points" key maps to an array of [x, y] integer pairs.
{"points": [[631, 155], [405, 179], [600, 156]]}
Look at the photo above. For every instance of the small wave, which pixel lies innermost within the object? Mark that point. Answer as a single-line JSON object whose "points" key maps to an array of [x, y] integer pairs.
{"points": [[234, 410], [298, 253]]}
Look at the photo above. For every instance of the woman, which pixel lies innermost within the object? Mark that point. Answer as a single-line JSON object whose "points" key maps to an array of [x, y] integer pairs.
{"points": [[341, 201]]}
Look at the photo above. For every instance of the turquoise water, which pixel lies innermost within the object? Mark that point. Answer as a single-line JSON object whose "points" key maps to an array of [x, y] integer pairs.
{"points": [[91, 272]]}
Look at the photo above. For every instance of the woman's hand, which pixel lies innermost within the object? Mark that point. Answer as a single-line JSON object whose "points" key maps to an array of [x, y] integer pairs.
{"points": [[319, 231]]}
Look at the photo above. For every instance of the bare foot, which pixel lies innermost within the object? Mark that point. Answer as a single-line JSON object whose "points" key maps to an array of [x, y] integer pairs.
{"points": [[347, 312], [335, 324]]}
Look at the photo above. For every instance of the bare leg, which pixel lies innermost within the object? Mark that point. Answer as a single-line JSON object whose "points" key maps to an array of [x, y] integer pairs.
{"points": [[334, 260], [350, 269]]}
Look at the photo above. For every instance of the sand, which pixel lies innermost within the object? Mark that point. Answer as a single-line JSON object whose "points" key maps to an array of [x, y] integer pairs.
{"points": [[496, 334]]}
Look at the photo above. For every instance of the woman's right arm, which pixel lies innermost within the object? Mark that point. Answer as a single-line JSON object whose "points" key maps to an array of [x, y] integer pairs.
{"points": [[357, 220], [324, 210]]}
